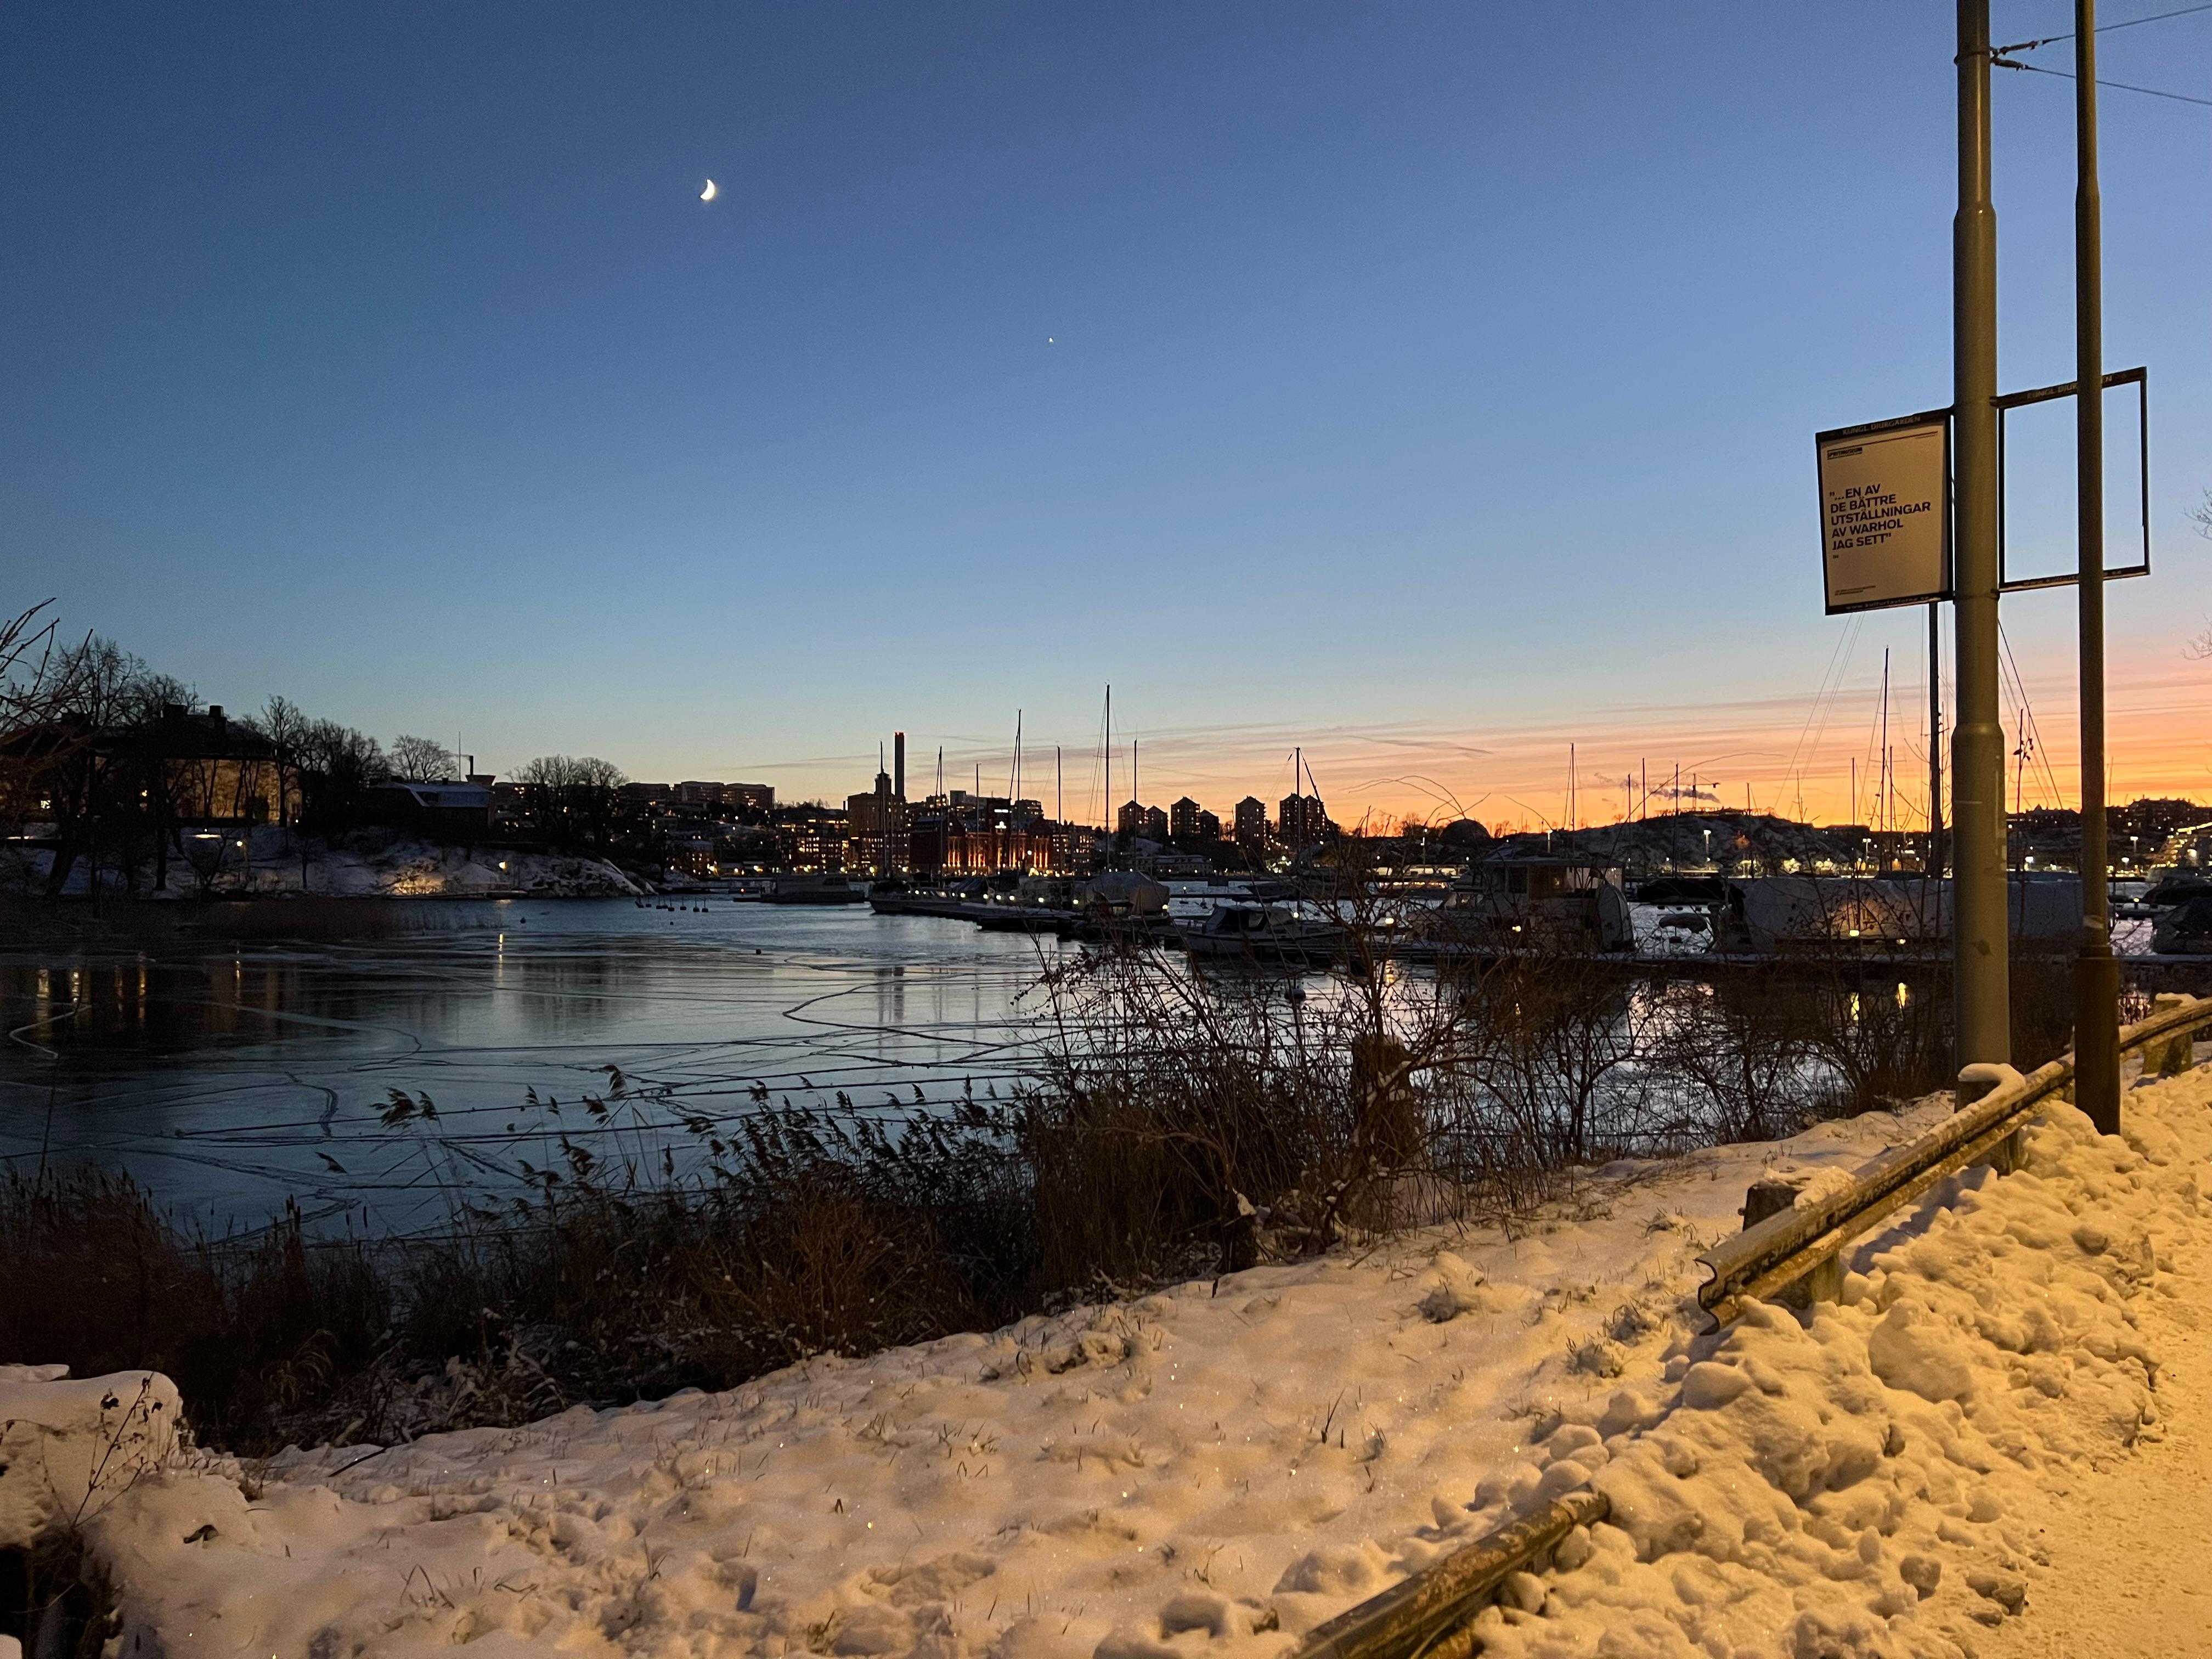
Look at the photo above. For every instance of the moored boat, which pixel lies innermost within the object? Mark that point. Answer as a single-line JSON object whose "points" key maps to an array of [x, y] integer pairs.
{"points": [[1264, 933], [814, 889]]}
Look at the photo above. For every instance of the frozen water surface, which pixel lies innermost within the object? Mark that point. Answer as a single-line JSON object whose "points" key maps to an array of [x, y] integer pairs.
{"points": [[228, 1079]]}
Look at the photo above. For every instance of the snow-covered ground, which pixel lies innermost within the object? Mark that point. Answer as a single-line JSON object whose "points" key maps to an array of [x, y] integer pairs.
{"points": [[2115, 1587], [1216, 1468], [365, 864]]}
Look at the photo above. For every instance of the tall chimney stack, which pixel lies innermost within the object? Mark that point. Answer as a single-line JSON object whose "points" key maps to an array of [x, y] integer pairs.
{"points": [[899, 764]]}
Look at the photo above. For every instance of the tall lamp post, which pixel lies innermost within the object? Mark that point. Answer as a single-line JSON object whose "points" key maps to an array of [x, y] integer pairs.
{"points": [[2096, 971], [1980, 940]]}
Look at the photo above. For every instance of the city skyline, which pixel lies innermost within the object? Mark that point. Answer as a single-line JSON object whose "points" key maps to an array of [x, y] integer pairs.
{"points": [[1402, 769], [1796, 763], [1517, 775]]}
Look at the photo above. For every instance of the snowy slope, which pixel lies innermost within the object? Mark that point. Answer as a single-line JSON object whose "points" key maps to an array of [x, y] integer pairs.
{"points": [[1214, 1469], [383, 864]]}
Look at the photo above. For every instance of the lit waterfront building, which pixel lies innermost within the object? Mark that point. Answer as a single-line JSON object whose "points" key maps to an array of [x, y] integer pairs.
{"points": [[1301, 821], [1252, 825], [876, 830]]}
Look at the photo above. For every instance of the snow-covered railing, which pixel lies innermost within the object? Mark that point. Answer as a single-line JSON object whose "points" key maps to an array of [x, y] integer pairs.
{"points": [[1792, 1254], [1426, 1612]]}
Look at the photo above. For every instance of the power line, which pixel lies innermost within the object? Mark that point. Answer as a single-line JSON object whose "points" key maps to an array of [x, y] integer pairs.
{"points": [[2101, 28], [2116, 86]]}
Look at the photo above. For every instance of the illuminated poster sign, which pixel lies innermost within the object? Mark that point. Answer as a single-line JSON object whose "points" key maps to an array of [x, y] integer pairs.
{"points": [[1885, 513]]}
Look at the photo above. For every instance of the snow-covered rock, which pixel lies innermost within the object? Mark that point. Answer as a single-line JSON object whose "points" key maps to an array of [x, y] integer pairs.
{"points": [[70, 1447]]}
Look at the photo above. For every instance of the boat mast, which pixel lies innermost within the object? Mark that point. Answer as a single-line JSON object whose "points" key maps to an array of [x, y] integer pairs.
{"points": [[1934, 864], [1884, 745]]}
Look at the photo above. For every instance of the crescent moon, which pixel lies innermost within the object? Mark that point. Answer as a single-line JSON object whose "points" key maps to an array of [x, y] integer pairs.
{"points": [[710, 192]]}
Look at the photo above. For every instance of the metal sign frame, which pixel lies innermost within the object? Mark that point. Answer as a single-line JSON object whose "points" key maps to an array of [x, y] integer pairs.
{"points": [[1873, 429], [2139, 379]]}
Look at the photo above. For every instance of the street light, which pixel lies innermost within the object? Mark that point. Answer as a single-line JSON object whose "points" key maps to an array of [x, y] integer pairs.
{"points": [[2096, 970]]}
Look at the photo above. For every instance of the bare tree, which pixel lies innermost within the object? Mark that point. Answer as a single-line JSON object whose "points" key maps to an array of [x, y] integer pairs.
{"points": [[336, 763], [547, 772], [418, 760], [209, 854], [283, 723], [30, 699], [572, 799], [106, 788], [545, 782]]}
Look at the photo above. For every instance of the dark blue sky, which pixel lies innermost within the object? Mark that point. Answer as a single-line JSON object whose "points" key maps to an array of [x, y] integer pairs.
{"points": [[1431, 383]]}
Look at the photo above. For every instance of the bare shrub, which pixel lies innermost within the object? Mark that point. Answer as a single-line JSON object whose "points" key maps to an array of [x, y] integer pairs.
{"points": [[56, 1597], [1882, 1039], [1185, 1116], [252, 1329], [1549, 1041], [2042, 1009], [809, 1232], [1743, 1049]]}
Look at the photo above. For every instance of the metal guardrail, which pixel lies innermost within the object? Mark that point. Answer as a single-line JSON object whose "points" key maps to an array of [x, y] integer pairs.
{"points": [[1426, 1612], [1426, 1615], [1771, 1256]]}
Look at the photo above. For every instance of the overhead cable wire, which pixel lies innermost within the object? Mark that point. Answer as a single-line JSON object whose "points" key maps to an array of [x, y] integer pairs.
{"points": [[2116, 86], [1839, 651], [2029, 727], [1824, 706], [2104, 29]]}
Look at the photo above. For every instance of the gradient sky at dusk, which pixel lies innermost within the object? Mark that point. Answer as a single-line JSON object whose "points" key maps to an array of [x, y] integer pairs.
{"points": [[1432, 386]]}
